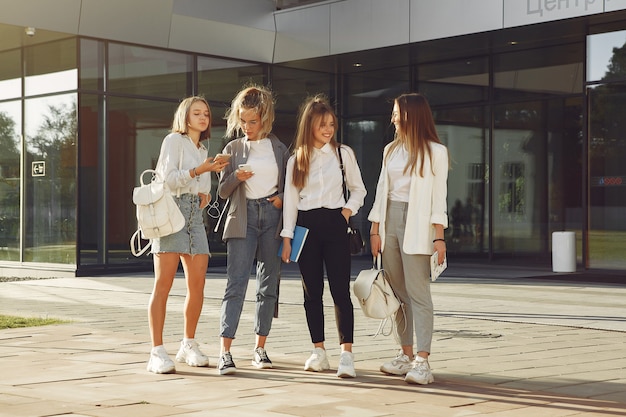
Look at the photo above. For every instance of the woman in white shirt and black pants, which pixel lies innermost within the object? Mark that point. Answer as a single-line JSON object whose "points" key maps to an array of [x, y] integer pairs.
{"points": [[314, 199]]}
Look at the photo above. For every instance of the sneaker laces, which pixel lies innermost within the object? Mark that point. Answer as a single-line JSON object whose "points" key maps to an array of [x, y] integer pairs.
{"points": [[262, 354], [421, 366], [400, 358], [345, 360], [227, 358], [161, 354], [193, 346]]}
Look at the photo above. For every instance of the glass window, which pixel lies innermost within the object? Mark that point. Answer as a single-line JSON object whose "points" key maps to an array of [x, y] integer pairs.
{"points": [[91, 64], [605, 55], [607, 193], [291, 87], [10, 74], [220, 79], [539, 73], [455, 82], [51, 67], [372, 92], [464, 131], [10, 157], [149, 72], [367, 136], [50, 195], [90, 181], [537, 174]]}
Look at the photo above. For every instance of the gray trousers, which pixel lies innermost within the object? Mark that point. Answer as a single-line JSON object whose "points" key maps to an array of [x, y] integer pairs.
{"points": [[410, 279]]}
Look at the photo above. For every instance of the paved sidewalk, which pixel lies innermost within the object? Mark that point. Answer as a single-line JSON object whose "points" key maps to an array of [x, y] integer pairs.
{"points": [[505, 344]]}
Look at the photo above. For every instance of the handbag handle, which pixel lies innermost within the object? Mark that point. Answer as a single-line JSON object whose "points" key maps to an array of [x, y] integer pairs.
{"points": [[377, 261]]}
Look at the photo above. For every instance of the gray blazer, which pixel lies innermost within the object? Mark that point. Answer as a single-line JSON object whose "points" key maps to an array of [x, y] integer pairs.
{"points": [[231, 188]]}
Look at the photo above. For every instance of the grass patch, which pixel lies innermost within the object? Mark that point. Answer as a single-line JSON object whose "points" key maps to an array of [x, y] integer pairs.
{"points": [[13, 322]]}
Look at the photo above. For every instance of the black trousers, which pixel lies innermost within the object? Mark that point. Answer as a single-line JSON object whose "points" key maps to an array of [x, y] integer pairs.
{"points": [[327, 246]]}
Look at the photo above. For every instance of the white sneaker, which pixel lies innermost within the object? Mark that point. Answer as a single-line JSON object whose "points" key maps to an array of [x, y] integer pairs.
{"points": [[318, 361], [400, 365], [190, 354], [160, 362], [345, 369], [420, 373]]}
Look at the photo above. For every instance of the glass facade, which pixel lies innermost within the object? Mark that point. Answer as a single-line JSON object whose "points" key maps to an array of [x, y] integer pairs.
{"points": [[606, 150], [10, 175], [534, 136]]}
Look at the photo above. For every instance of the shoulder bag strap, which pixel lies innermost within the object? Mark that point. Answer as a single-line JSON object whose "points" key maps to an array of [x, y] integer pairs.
{"points": [[343, 175], [180, 165]]}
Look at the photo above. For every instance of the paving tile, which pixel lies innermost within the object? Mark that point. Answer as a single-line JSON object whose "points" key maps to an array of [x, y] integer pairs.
{"points": [[500, 348]]}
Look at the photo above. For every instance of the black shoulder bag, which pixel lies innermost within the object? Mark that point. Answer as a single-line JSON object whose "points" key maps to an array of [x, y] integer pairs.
{"points": [[354, 234]]}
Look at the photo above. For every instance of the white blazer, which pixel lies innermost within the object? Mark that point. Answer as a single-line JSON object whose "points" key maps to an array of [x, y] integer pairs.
{"points": [[427, 202]]}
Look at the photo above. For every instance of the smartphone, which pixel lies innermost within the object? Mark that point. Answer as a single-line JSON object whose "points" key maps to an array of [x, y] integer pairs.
{"points": [[222, 156], [245, 167]]}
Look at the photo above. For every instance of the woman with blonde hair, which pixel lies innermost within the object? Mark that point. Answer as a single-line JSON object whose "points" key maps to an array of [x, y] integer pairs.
{"points": [[184, 165], [253, 183], [314, 199], [408, 218]]}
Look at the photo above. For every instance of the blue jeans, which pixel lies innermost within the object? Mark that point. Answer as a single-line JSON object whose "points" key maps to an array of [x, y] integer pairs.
{"points": [[260, 243]]}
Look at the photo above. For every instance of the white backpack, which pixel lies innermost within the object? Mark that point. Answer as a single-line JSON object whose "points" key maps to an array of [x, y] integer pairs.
{"points": [[158, 214]]}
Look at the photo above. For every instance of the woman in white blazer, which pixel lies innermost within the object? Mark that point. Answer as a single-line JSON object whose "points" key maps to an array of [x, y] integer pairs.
{"points": [[408, 218]]}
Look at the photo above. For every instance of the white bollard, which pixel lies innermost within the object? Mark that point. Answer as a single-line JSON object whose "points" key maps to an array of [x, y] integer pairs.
{"points": [[564, 251]]}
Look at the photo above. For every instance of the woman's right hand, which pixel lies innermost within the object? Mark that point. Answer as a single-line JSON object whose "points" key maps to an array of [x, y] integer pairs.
{"points": [[243, 175], [211, 164], [286, 254], [375, 244]]}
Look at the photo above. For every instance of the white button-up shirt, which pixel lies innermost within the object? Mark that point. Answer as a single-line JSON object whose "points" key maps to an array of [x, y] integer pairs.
{"points": [[323, 188]]}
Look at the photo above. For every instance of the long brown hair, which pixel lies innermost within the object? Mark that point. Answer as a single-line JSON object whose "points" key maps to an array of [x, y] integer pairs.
{"points": [[416, 129], [311, 112]]}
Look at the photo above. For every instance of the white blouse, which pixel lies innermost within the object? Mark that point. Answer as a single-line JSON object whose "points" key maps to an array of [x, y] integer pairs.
{"points": [[323, 188], [261, 159], [399, 182], [179, 178]]}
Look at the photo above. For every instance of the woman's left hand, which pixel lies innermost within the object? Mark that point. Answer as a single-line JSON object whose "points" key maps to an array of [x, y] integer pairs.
{"points": [[346, 213], [440, 248], [205, 199], [276, 201]]}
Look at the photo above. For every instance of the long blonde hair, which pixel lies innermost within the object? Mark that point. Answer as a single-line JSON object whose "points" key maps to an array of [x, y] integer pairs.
{"points": [[312, 111], [415, 131], [181, 117], [255, 98]]}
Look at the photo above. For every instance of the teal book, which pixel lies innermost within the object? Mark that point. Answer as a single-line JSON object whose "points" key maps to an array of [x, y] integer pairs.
{"points": [[297, 243]]}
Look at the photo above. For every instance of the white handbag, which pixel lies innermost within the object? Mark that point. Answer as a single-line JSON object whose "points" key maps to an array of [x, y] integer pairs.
{"points": [[375, 295]]}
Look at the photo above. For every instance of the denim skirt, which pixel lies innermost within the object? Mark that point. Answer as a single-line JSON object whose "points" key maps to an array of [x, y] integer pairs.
{"points": [[192, 238]]}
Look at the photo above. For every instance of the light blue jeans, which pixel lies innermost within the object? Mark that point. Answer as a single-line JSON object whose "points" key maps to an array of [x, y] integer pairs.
{"points": [[260, 243]]}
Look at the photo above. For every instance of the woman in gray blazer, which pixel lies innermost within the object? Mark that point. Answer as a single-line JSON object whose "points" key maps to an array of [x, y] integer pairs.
{"points": [[253, 182]]}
